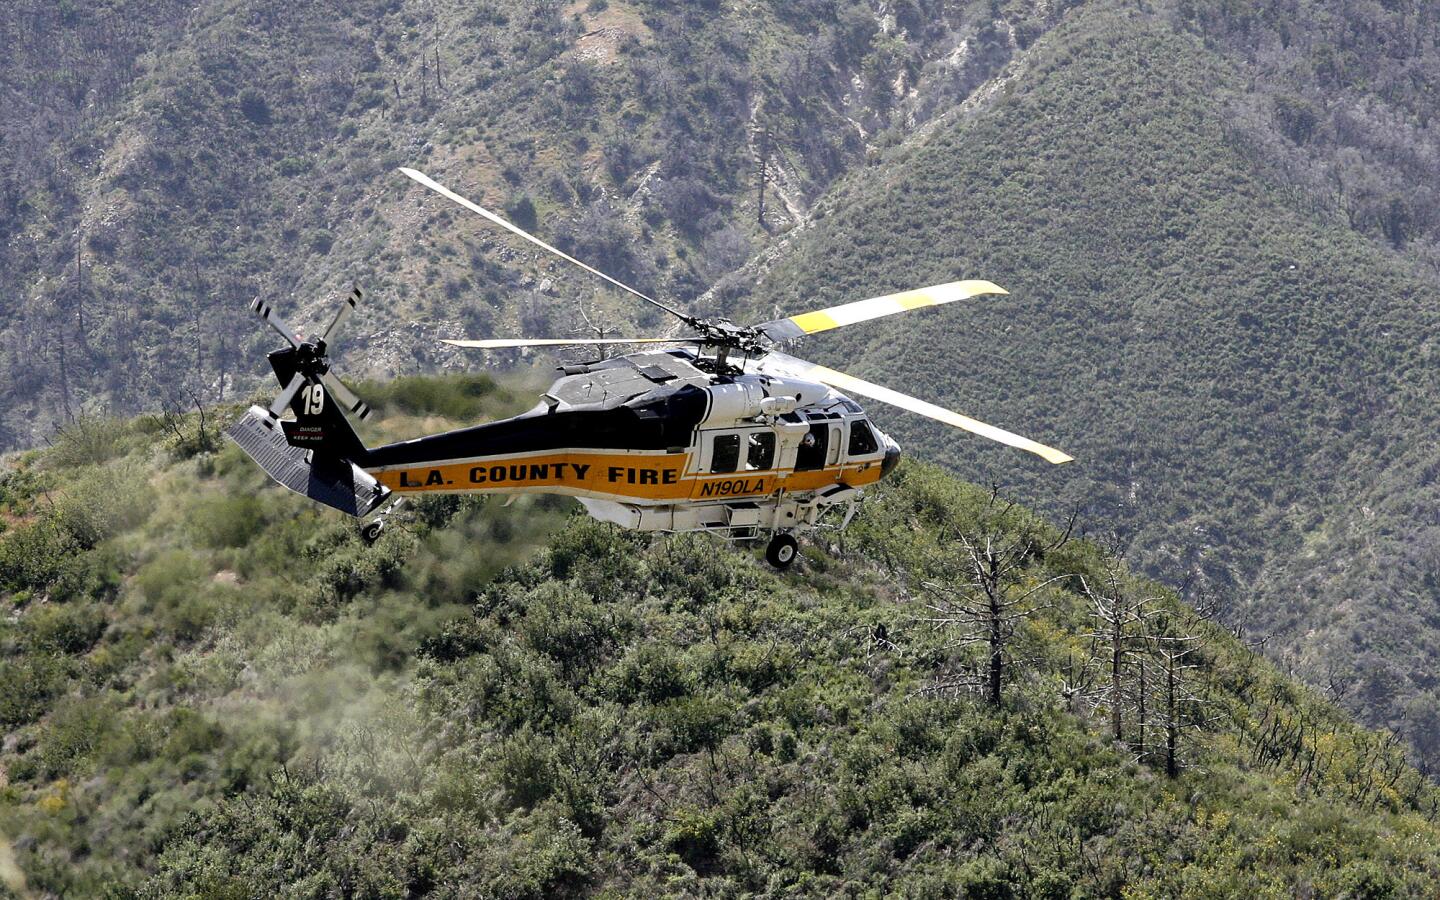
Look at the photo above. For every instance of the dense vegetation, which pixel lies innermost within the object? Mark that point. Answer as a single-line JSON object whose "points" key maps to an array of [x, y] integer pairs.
{"points": [[211, 688], [1216, 220], [1248, 390]]}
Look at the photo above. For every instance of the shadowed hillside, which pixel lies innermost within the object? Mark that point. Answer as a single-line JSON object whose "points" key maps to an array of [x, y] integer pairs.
{"points": [[1246, 389]]}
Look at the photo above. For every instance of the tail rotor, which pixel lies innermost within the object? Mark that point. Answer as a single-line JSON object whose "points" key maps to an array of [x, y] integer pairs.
{"points": [[317, 453], [308, 361], [277, 409]]}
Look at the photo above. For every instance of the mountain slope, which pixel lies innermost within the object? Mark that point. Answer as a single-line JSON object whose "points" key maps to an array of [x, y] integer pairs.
{"points": [[173, 161], [1245, 387], [212, 688]]}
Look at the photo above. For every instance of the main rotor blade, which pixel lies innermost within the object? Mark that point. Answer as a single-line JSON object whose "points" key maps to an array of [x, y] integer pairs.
{"points": [[440, 189], [277, 409], [345, 395], [783, 364], [875, 308], [342, 314], [506, 344], [267, 312]]}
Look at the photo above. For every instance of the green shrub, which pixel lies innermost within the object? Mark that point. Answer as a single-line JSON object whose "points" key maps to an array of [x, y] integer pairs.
{"points": [[697, 835], [27, 685], [33, 554], [526, 768], [75, 730], [342, 566], [226, 520], [20, 485], [459, 397], [521, 211], [63, 627], [174, 587], [691, 724], [652, 672], [89, 440], [100, 502]]}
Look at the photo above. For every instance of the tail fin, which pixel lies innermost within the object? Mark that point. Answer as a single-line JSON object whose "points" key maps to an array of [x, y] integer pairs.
{"points": [[318, 454], [320, 424]]}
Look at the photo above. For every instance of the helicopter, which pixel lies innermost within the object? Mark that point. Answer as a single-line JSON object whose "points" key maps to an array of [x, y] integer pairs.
{"points": [[721, 432]]}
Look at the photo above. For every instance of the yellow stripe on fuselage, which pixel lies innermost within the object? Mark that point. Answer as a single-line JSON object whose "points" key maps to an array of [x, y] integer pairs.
{"points": [[644, 477]]}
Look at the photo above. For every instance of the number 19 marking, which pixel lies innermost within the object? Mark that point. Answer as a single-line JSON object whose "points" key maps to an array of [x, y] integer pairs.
{"points": [[314, 400]]}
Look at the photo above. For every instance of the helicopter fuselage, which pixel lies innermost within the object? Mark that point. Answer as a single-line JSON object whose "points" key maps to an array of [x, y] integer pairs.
{"points": [[655, 442]]}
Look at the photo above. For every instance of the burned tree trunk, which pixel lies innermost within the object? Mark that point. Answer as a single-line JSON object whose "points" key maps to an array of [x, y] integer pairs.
{"points": [[985, 593], [1121, 615]]}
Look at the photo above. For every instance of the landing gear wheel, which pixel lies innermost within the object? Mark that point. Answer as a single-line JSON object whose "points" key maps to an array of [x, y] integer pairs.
{"points": [[371, 533], [781, 552]]}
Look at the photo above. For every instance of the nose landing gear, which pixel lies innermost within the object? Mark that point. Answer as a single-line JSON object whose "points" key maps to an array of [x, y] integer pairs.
{"points": [[781, 551]]}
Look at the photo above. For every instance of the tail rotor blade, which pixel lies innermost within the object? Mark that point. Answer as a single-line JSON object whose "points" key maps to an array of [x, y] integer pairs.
{"points": [[342, 314], [346, 396], [267, 312], [277, 409]]}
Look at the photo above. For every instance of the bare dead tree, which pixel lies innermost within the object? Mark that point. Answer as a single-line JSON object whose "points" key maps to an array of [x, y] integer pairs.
{"points": [[1141, 693], [81, 330], [204, 439], [592, 325], [989, 595], [64, 372], [1122, 615], [1178, 703], [1079, 681]]}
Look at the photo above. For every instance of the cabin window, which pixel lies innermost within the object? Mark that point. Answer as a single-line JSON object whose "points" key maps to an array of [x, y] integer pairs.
{"points": [[761, 453], [725, 453], [862, 440]]}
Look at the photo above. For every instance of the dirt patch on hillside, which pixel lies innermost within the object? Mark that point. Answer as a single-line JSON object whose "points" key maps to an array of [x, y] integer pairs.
{"points": [[607, 30]]}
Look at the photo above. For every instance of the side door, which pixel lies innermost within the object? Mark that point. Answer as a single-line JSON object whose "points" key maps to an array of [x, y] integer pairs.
{"points": [[735, 462], [814, 448]]}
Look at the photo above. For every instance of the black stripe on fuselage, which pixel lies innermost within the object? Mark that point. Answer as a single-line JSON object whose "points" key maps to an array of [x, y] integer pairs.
{"points": [[662, 422]]}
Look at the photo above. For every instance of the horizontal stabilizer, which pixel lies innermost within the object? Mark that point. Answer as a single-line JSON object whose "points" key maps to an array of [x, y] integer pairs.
{"points": [[335, 482]]}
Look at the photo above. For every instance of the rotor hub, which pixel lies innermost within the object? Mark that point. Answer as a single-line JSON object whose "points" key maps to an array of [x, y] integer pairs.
{"points": [[310, 359], [721, 332]]}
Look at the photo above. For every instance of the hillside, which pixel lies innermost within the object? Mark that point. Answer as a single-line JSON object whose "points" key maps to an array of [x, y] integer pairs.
{"points": [[1216, 220], [1248, 387], [211, 688], [171, 161]]}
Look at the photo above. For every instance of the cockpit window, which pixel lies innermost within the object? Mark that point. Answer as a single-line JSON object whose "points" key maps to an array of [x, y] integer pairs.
{"points": [[762, 450], [725, 453], [862, 439]]}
